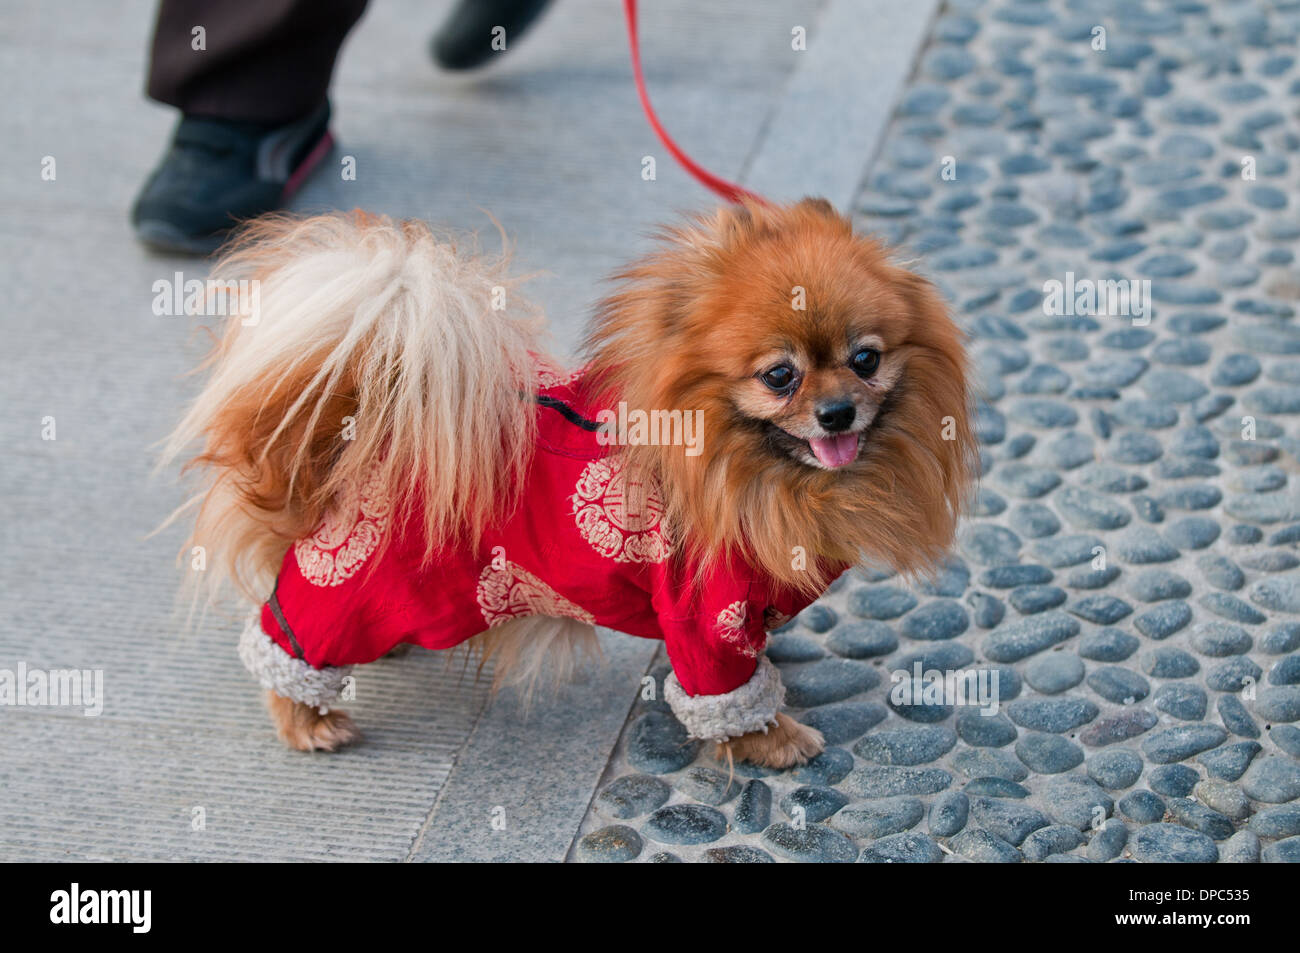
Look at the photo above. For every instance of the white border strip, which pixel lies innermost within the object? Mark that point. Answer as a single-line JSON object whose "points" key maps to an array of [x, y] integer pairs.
{"points": [[827, 127]]}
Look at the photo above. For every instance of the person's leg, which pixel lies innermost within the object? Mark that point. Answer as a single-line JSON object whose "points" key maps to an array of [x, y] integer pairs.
{"points": [[251, 83], [266, 62], [477, 29]]}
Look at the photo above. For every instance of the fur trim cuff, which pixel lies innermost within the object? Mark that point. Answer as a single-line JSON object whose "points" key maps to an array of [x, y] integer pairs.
{"points": [[751, 707], [289, 677]]}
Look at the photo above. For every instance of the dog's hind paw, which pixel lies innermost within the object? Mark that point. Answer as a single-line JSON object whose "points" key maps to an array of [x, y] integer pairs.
{"points": [[784, 745], [304, 728]]}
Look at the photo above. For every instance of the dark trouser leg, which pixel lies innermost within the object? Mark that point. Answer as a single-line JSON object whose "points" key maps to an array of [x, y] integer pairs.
{"points": [[265, 61]]}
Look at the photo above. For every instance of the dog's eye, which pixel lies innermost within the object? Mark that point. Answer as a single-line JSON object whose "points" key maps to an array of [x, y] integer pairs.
{"points": [[865, 362], [778, 378]]}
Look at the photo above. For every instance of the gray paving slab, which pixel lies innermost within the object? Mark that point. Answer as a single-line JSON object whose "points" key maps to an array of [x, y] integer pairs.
{"points": [[504, 803], [837, 104]]}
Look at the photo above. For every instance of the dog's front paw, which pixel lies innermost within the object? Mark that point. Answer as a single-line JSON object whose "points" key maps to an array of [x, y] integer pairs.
{"points": [[304, 728], [784, 745]]}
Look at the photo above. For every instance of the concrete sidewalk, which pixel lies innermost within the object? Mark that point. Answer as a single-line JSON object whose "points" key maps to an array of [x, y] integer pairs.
{"points": [[183, 764]]}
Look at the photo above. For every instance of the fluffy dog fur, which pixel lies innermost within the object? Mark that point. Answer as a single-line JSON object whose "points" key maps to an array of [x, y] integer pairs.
{"points": [[382, 328], [697, 321]]}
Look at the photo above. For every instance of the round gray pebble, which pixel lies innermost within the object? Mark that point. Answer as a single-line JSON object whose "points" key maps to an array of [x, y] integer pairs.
{"points": [[859, 640], [1184, 701], [1120, 686], [1168, 661], [1115, 768], [880, 818], [813, 844], [685, 824], [1054, 715], [737, 854], [828, 680], [1046, 841], [1180, 742], [843, 721], [1048, 754], [1164, 620], [707, 785], [1108, 842], [1143, 807], [609, 845], [1171, 843], [909, 847], [829, 767], [754, 807], [1230, 761], [632, 796], [658, 744], [1107, 645], [937, 620], [812, 803], [1224, 797], [983, 847], [1282, 852], [906, 745], [1054, 672], [948, 813], [1242, 847]]}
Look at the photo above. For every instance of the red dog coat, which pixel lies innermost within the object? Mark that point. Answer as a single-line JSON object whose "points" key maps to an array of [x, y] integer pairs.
{"points": [[581, 544]]}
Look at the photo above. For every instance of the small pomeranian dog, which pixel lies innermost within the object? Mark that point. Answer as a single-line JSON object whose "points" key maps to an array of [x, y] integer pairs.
{"points": [[389, 457]]}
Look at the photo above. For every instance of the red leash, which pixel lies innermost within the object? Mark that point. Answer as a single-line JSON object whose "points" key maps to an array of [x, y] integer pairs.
{"points": [[727, 190]]}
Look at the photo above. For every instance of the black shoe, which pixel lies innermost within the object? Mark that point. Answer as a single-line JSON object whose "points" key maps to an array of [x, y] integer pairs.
{"points": [[218, 172], [464, 40]]}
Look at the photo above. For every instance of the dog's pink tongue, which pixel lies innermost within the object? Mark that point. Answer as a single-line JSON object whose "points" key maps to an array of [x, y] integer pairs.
{"points": [[835, 451]]}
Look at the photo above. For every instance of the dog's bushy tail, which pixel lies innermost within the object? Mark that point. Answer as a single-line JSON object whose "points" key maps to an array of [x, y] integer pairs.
{"points": [[368, 351], [534, 652]]}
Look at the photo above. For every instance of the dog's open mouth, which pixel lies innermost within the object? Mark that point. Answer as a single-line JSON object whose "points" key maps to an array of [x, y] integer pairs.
{"points": [[826, 453], [836, 451]]}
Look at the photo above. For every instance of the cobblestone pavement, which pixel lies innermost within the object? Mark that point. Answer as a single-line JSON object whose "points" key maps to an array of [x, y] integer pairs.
{"points": [[1130, 570]]}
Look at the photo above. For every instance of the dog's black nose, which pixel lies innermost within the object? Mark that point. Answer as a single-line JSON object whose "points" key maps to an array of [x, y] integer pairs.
{"points": [[836, 416]]}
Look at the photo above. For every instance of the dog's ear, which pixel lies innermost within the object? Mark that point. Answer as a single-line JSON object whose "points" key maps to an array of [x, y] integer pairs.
{"points": [[825, 212], [734, 223], [820, 206], [939, 377]]}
